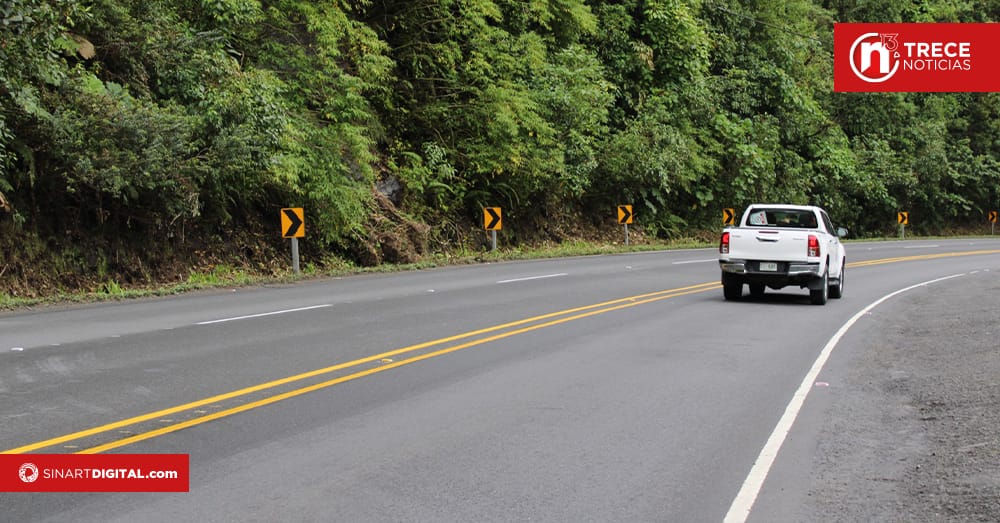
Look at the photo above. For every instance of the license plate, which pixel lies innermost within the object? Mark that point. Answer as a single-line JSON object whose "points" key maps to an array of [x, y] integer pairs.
{"points": [[769, 266]]}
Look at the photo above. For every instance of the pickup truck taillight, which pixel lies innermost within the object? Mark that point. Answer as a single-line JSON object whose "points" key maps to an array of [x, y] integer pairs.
{"points": [[813, 250], [724, 243]]}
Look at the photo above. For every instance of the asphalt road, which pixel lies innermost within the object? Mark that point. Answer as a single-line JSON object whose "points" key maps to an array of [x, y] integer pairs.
{"points": [[609, 388]]}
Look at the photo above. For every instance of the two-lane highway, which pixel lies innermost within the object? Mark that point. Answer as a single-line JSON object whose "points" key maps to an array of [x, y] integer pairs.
{"points": [[595, 388]]}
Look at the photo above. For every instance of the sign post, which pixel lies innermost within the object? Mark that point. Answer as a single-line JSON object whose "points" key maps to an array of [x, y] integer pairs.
{"points": [[993, 221], [493, 222], [293, 225], [903, 218], [625, 218]]}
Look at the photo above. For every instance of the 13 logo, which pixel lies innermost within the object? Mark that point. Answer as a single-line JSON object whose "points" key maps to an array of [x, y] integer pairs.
{"points": [[875, 56]]}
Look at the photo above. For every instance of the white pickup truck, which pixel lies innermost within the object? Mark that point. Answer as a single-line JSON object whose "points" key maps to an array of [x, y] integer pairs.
{"points": [[777, 245]]}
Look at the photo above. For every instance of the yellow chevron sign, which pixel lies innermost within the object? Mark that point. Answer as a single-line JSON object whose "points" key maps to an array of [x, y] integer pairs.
{"points": [[492, 218], [293, 223], [624, 214]]}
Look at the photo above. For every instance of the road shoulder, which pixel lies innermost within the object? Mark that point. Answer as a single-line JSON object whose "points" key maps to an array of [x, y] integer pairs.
{"points": [[912, 434]]}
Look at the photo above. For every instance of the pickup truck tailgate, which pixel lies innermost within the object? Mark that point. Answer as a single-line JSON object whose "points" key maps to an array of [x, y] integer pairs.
{"points": [[769, 244]]}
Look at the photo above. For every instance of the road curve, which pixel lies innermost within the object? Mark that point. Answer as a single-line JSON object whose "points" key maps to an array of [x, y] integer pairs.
{"points": [[595, 388]]}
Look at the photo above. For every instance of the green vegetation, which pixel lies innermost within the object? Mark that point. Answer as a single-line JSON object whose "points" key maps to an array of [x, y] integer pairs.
{"points": [[155, 141]]}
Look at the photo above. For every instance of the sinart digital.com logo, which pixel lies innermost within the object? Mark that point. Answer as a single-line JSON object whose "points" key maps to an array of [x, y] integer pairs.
{"points": [[28, 473], [875, 57]]}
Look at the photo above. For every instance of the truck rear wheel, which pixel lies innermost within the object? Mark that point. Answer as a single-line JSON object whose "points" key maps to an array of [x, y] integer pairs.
{"points": [[732, 288], [837, 291], [820, 295]]}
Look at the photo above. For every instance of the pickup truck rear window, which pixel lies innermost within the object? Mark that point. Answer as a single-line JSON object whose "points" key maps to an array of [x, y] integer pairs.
{"points": [[786, 218]]}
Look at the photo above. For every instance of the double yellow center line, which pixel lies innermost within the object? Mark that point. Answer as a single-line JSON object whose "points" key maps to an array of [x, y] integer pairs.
{"points": [[920, 257], [474, 338], [198, 411]]}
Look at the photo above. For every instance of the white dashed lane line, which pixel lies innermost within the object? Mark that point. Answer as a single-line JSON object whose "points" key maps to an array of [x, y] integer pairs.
{"points": [[235, 318], [534, 278]]}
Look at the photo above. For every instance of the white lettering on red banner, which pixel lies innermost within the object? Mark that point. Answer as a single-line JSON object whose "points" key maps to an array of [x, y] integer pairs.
{"points": [[94, 473], [916, 57]]}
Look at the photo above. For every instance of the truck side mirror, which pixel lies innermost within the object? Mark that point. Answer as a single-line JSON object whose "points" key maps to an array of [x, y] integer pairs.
{"points": [[841, 232]]}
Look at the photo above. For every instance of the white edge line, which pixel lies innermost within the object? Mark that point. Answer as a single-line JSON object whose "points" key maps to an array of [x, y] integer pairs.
{"points": [[695, 261], [264, 314], [739, 511], [534, 277], [920, 246]]}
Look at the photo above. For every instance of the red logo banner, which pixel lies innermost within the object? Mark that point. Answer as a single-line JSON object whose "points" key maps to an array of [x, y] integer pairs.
{"points": [[94, 473], [916, 57]]}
